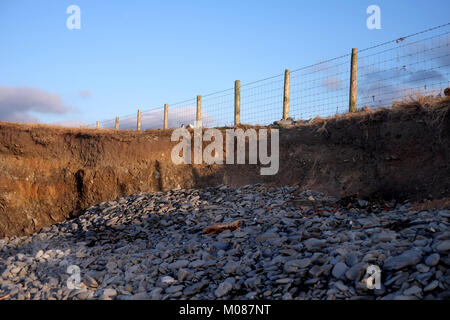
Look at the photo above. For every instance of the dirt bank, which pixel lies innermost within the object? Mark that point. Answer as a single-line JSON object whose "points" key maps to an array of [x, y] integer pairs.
{"points": [[49, 174]]}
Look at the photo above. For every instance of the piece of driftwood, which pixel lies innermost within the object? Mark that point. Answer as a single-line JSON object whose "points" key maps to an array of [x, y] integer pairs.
{"points": [[221, 227], [4, 297]]}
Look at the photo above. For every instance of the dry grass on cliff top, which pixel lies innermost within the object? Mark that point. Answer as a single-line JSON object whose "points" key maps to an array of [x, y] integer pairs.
{"points": [[411, 105], [439, 106]]}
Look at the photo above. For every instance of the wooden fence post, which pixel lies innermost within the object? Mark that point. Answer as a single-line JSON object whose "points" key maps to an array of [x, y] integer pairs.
{"points": [[117, 123], [166, 115], [98, 124], [139, 120], [237, 102], [199, 112], [353, 81], [287, 84]]}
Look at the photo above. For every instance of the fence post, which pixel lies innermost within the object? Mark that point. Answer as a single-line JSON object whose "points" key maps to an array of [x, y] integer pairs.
{"points": [[98, 124], [166, 115], [199, 111], [287, 84], [353, 81], [139, 120], [117, 123], [237, 102]]}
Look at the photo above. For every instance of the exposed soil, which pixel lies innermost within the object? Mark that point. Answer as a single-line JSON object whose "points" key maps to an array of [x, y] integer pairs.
{"points": [[49, 174]]}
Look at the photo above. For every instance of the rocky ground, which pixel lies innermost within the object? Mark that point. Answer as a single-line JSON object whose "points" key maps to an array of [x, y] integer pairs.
{"points": [[290, 245]]}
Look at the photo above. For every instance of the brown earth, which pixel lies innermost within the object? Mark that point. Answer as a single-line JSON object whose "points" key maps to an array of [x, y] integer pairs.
{"points": [[49, 174]]}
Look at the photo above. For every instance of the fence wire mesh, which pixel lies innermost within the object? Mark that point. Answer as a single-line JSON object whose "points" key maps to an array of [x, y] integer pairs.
{"points": [[218, 109], [403, 68], [321, 89], [262, 101], [182, 113], [391, 71]]}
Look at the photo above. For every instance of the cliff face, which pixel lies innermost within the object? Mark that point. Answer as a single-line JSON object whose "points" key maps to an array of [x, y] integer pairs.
{"points": [[50, 174]]}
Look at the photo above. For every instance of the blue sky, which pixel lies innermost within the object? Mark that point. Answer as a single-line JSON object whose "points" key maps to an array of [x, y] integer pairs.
{"points": [[142, 54]]}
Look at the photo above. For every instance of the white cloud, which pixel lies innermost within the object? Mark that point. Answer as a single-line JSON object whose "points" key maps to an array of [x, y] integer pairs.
{"points": [[17, 104], [85, 93]]}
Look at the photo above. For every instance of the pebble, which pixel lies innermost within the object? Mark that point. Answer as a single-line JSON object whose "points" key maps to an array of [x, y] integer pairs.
{"points": [[196, 288], [167, 280], [341, 286], [109, 293], [356, 272], [140, 296], [292, 266], [39, 254], [339, 270], [283, 281], [183, 274], [223, 289], [230, 267], [431, 286], [414, 290], [156, 294], [174, 289], [314, 244], [443, 246], [351, 259], [179, 264], [90, 282], [422, 268], [407, 258], [432, 259]]}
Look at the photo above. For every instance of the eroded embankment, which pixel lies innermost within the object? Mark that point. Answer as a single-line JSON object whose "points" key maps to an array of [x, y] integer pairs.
{"points": [[49, 174]]}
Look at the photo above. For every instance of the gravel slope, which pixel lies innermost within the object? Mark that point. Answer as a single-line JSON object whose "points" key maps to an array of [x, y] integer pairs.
{"points": [[290, 245]]}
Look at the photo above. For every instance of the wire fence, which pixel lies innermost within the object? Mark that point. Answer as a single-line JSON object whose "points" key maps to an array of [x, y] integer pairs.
{"points": [[394, 70]]}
